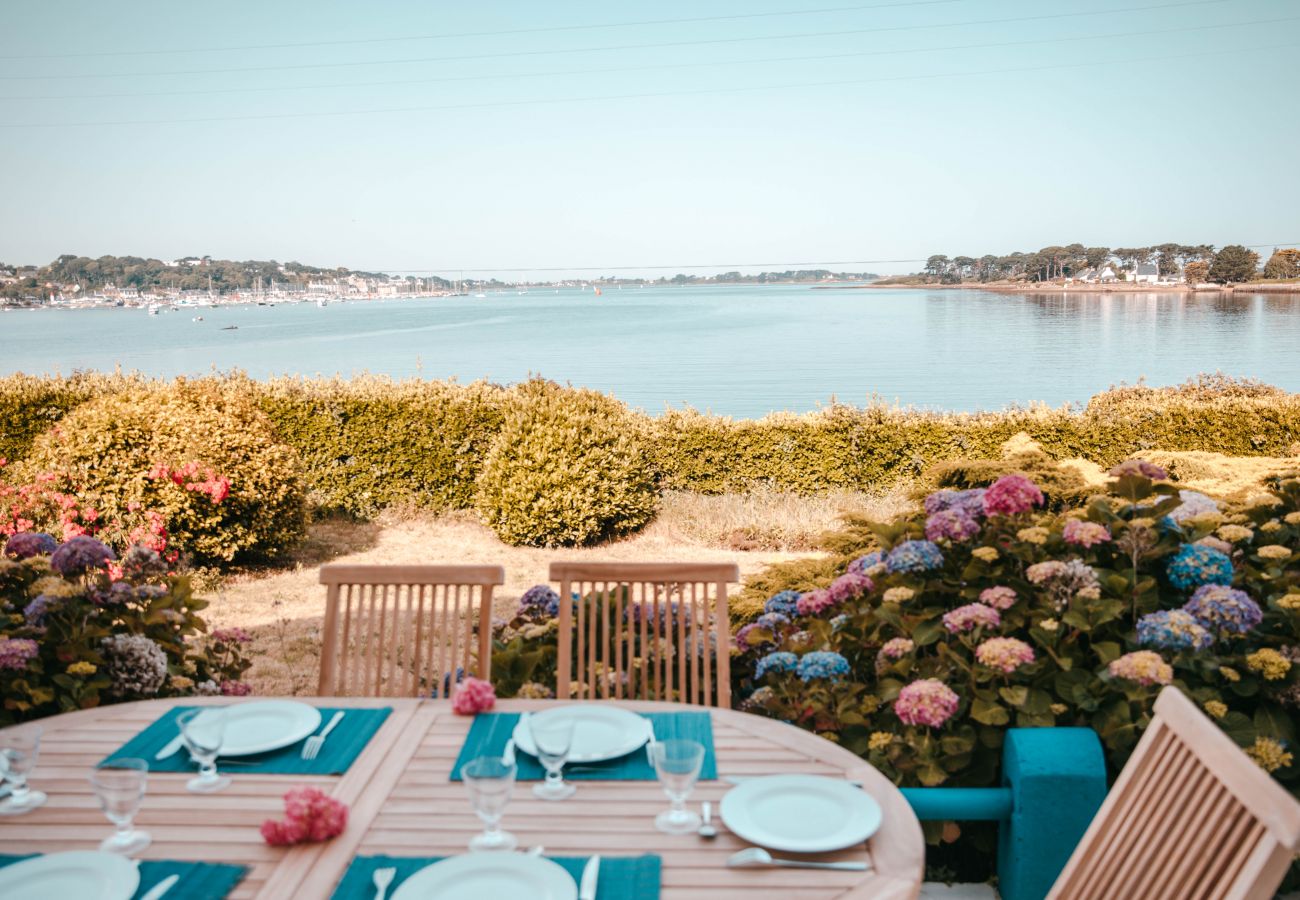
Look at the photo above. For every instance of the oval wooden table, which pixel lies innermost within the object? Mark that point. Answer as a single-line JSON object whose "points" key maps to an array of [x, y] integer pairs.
{"points": [[403, 804]]}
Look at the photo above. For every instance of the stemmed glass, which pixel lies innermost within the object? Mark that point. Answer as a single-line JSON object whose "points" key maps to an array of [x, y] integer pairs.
{"points": [[490, 780], [553, 737], [119, 785], [677, 763], [203, 732], [19, 749]]}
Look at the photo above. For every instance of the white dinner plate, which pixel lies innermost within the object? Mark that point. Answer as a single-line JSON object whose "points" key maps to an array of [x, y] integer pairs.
{"points": [[84, 874], [800, 813], [599, 732], [265, 725], [477, 876]]}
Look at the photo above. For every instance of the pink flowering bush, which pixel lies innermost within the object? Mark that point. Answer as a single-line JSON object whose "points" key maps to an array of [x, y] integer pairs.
{"points": [[310, 816], [999, 597], [1084, 533], [1004, 654], [971, 616], [927, 702], [1011, 495], [472, 696]]}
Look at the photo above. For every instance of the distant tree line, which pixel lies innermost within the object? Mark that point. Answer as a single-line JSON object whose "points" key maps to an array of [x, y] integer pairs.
{"points": [[1231, 264]]}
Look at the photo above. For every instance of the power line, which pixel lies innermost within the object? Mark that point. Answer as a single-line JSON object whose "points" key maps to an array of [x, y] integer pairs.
{"points": [[697, 43], [669, 66], [504, 33], [640, 96]]}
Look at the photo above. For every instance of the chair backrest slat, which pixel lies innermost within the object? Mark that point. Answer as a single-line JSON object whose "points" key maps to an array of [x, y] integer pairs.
{"points": [[393, 631], [1191, 816], [645, 631]]}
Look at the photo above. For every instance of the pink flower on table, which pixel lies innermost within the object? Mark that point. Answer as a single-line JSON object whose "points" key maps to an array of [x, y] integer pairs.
{"points": [[970, 617], [310, 816], [1011, 495], [1004, 654], [472, 696], [1084, 533], [998, 597], [927, 702]]}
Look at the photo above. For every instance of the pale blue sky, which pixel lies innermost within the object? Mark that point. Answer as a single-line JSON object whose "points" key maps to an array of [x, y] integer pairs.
{"points": [[1149, 134]]}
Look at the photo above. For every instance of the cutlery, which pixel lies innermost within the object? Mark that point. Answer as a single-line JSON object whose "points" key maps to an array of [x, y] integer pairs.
{"points": [[757, 857], [508, 754], [383, 878], [741, 779], [537, 851], [170, 748], [707, 831], [312, 748], [650, 742], [162, 887], [590, 873]]}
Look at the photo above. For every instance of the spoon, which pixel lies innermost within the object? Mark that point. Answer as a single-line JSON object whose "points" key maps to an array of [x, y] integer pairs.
{"points": [[707, 831], [757, 857], [383, 878]]}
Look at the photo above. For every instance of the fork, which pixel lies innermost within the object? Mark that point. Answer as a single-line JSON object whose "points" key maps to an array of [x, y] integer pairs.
{"points": [[383, 878], [312, 748]]}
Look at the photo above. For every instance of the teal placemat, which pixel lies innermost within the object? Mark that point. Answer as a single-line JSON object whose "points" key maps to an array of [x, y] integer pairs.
{"points": [[342, 746], [199, 880], [621, 877], [490, 732]]}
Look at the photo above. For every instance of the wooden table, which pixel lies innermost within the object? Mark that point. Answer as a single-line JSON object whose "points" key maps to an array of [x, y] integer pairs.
{"points": [[403, 804]]}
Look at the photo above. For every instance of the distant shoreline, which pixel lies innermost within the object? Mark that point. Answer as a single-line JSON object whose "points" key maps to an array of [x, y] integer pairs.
{"points": [[1059, 288]]}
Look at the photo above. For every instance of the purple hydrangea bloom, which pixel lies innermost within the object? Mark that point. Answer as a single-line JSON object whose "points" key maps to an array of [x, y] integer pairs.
{"points": [[539, 598], [1173, 629], [26, 544], [969, 502], [80, 555], [953, 524], [1194, 504], [862, 563], [786, 603], [848, 585], [37, 611], [914, 556], [16, 653], [1224, 610]]}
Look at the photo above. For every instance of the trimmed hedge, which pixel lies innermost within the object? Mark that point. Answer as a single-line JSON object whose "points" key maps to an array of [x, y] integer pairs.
{"points": [[373, 442]]}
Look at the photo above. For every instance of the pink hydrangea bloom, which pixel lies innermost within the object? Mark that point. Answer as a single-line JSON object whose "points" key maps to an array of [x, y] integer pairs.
{"points": [[473, 695], [848, 586], [1084, 533], [970, 617], [232, 688], [897, 648], [1146, 667], [1004, 653], [998, 597], [927, 702], [234, 635], [310, 816], [814, 603], [1011, 495]]}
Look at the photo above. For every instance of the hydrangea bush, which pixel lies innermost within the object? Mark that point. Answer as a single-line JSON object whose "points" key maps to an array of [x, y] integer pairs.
{"points": [[80, 627], [985, 610]]}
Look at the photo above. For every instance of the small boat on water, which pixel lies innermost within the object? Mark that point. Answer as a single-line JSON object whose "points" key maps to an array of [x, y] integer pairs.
{"points": [[197, 319], [231, 328], [322, 302], [481, 296], [153, 309]]}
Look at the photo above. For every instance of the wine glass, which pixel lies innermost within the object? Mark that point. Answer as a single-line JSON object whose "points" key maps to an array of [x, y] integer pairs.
{"points": [[553, 738], [119, 786], [677, 763], [490, 780], [19, 749], [203, 731]]}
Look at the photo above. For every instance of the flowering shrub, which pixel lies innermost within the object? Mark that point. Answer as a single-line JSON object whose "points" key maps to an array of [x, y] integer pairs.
{"points": [[79, 627], [1038, 617]]}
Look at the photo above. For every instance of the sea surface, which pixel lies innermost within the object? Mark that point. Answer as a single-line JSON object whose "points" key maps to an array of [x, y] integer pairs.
{"points": [[742, 351]]}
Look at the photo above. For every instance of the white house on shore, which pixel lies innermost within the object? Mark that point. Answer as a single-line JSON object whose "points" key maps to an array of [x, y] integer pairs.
{"points": [[1102, 274]]}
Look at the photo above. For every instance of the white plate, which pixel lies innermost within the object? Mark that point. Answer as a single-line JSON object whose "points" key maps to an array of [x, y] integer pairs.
{"points": [[84, 874], [800, 813], [264, 725], [477, 876], [599, 732]]}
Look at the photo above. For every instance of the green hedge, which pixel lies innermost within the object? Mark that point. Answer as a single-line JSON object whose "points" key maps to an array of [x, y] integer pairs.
{"points": [[373, 442]]}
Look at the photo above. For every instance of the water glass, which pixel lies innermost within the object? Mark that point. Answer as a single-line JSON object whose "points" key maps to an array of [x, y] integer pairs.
{"points": [[204, 731], [490, 781], [677, 763], [119, 786], [19, 749], [553, 738]]}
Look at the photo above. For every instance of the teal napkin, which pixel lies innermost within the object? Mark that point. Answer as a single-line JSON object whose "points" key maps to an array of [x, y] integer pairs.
{"points": [[343, 746], [199, 880], [621, 877], [490, 732]]}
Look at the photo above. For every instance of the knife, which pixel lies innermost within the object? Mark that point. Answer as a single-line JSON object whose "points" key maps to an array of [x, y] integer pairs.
{"points": [[590, 872], [508, 754], [171, 748], [162, 887]]}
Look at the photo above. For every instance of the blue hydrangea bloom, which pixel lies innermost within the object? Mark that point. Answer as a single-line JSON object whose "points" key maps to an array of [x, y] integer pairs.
{"points": [[823, 664], [772, 621], [862, 563], [914, 556], [1223, 609], [839, 621], [538, 597], [969, 502], [780, 661], [1173, 629], [785, 603], [1195, 564], [26, 544], [38, 609]]}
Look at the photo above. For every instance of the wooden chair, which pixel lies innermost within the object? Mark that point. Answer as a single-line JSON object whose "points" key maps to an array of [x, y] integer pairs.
{"points": [[405, 631], [1191, 817], [650, 631]]}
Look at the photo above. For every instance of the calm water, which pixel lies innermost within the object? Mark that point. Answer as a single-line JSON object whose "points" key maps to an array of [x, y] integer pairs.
{"points": [[741, 351]]}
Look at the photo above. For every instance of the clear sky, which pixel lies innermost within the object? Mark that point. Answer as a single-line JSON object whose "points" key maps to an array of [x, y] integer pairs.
{"points": [[531, 135]]}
